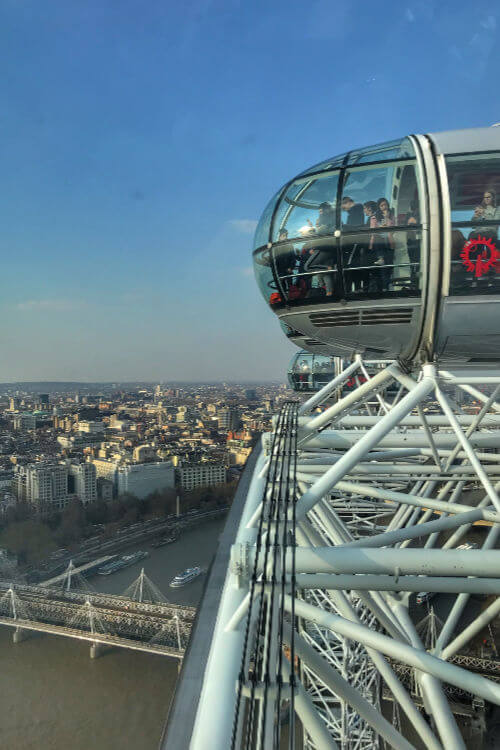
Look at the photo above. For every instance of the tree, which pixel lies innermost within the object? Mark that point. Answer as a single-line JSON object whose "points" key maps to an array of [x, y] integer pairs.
{"points": [[30, 540], [73, 522]]}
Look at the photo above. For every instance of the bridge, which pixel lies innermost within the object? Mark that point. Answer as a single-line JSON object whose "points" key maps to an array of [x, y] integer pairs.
{"points": [[141, 619]]}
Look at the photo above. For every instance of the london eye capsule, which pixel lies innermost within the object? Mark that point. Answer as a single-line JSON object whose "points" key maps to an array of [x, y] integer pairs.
{"points": [[390, 251], [310, 372]]}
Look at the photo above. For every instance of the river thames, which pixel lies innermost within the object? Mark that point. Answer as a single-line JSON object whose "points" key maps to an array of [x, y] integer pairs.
{"points": [[53, 696]]}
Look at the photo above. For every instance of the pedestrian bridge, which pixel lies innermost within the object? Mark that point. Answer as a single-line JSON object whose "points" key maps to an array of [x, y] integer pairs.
{"points": [[134, 620]]}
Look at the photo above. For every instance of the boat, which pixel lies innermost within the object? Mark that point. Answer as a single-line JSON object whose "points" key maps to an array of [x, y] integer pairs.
{"points": [[122, 562], [186, 576], [165, 540]]}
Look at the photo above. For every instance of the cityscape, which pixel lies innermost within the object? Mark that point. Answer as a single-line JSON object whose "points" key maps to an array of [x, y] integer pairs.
{"points": [[250, 375], [92, 452]]}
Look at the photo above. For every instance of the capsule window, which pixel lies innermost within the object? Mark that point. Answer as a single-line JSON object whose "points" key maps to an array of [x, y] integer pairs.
{"points": [[381, 263], [263, 268], [307, 208], [308, 271], [381, 196], [262, 231], [474, 184], [391, 150], [310, 372]]}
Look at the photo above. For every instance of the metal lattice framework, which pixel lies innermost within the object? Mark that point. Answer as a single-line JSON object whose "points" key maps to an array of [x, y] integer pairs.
{"points": [[355, 506]]}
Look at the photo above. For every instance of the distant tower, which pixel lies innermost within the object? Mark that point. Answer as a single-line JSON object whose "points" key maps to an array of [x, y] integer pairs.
{"points": [[14, 403]]}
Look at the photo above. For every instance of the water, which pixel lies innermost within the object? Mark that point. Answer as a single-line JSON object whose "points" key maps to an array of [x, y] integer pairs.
{"points": [[53, 696]]}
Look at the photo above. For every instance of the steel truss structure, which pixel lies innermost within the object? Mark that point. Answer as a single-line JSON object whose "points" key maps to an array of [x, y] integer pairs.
{"points": [[354, 506]]}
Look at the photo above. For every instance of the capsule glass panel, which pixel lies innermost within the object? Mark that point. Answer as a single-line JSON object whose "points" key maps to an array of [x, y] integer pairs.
{"points": [[307, 208], [400, 149], [308, 270], [380, 196], [475, 260], [326, 166], [310, 372], [263, 230], [474, 184], [381, 263], [262, 264]]}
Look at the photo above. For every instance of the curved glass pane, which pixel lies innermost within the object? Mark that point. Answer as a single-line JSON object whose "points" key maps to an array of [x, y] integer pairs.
{"points": [[261, 236], [380, 196], [334, 163], [308, 270], [302, 362], [263, 273], [379, 262], [475, 260], [310, 372], [400, 149], [307, 208]]}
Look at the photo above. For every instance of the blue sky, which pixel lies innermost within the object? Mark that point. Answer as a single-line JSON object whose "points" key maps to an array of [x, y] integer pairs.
{"points": [[140, 141]]}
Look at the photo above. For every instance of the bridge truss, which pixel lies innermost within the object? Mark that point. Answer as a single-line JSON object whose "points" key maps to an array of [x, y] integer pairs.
{"points": [[354, 507], [140, 620]]}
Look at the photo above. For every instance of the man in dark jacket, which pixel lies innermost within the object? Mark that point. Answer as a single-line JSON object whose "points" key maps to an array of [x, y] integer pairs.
{"points": [[355, 214]]}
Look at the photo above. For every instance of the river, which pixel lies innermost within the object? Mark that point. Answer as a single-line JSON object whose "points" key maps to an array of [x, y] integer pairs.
{"points": [[53, 696]]}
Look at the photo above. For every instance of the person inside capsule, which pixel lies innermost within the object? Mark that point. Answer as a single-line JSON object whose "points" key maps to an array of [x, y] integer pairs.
{"points": [[322, 255], [487, 209], [385, 217]]}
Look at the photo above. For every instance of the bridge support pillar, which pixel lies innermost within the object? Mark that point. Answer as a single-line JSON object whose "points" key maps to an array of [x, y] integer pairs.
{"points": [[20, 634], [96, 650]]}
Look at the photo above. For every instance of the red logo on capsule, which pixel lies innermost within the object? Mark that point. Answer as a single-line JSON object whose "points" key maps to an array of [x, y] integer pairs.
{"points": [[479, 255]]}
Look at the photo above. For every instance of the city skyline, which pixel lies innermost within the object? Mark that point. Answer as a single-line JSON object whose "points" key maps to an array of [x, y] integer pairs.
{"points": [[139, 148]]}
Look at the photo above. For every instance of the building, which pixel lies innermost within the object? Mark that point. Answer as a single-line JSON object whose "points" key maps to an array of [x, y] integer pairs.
{"points": [[105, 489], [31, 421], [106, 468], [42, 485], [14, 403], [91, 427], [80, 441], [143, 453], [238, 455], [143, 479], [200, 475], [228, 419], [82, 482]]}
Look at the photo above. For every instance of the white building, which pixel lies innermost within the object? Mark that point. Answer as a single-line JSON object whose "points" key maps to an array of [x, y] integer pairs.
{"points": [[83, 482], [143, 479], [91, 427], [106, 468], [44, 485], [200, 475]]}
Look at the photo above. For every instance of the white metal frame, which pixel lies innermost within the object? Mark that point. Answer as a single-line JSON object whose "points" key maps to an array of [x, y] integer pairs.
{"points": [[348, 586]]}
